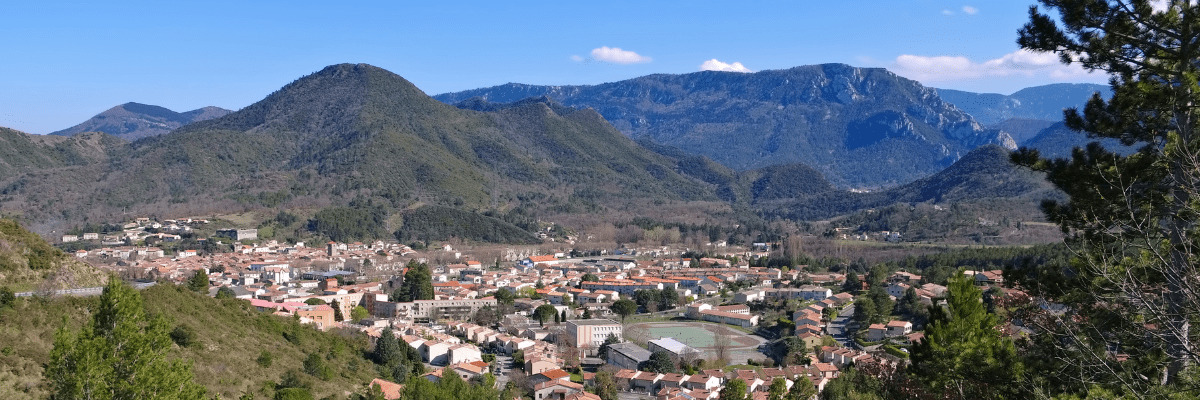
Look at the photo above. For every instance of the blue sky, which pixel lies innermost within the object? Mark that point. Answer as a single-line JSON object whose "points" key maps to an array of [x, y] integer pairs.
{"points": [[66, 61]]}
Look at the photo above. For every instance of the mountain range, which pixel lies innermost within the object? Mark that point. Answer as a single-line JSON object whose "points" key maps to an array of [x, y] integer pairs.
{"points": [[351, 132], [132, 121], [860, 127], [1045, 103]]}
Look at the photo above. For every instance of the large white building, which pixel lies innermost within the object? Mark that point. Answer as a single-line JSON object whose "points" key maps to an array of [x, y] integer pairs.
{"points": [[590, 333]]}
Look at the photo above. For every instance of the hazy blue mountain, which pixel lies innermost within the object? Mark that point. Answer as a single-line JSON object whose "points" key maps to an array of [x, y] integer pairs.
{"points": [[1057, 141], [1022, 129], [859, 127], [132, 121], [1044, 103]]}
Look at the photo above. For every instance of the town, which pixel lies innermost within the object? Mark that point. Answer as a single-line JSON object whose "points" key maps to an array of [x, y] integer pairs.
{"points": [[651, 325]]}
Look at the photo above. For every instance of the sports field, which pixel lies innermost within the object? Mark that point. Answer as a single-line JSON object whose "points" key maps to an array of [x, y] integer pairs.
{"points": [[702, 336]]}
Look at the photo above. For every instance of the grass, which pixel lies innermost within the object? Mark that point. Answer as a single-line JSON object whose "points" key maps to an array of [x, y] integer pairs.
{"points": [[231, 335]]}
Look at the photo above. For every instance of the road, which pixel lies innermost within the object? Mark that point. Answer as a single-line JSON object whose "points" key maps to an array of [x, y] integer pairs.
{"points": [[841, 326], [92, 291]]}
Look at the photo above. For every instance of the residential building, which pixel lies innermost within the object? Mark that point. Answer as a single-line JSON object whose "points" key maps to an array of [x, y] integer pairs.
{"points": [[590, 333]]}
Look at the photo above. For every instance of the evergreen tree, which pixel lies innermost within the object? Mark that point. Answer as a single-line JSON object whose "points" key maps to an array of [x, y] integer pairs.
{"points": [[7, 297], [122, 354], [777, 390], [608, 341], [668, 298], [606, 385], [624, 308], [852, 384], [735, 389], [660, 362], [337, 311], [963, 354], [504, 296], [417, 284], [802, 389], [198, 282], [1131, 219], [544, 313], [225, 293], [387, 348], [865, 312], [852, 284]]}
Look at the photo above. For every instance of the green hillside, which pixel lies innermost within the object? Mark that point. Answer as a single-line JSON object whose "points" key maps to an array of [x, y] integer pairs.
{"points": [[350, 131], [230, 336], [27, 263]]}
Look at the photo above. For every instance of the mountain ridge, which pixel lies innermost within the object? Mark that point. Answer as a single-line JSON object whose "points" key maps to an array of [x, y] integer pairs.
{"points": [[132, 121], [827, 116]]}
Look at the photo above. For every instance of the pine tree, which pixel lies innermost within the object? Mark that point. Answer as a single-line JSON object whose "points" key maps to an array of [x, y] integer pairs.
{"points": [[777, 390], [963, 355], [735, 389], [624, 308], [122, 354], [198, 282], [802, 389], [1131, 219], [337, 311]]}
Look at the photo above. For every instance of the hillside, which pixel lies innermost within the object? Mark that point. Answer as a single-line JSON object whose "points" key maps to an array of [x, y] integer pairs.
{"points": [[132, 121], [352, 131], [985, 173], [831, 117], [1044, 103], [29, 263], [230, 337], [22, 152]]}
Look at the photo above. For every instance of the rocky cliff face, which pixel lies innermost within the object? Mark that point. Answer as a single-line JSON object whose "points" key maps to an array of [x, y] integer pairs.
{"points": [[860, 127]]}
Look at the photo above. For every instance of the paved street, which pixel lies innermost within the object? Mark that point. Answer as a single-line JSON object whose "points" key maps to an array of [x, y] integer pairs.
{"points": [[840, 326]]}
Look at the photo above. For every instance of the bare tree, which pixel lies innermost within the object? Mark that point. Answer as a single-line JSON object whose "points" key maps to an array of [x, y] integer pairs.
{"points": [[721, 348]]}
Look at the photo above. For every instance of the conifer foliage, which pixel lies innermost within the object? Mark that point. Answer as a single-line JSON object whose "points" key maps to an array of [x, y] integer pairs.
{"points": [[963, 354], [1132, 220], [122, 354]]}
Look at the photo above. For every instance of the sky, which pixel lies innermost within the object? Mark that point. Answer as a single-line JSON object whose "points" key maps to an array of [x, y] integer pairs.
{"points": [[64, 62]]}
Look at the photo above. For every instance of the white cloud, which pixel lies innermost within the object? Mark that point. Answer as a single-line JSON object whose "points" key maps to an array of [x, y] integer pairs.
{"points": [[970, 10], [576, 58], [617, 56], [1020, 63], [947, 12], [717, 65]]}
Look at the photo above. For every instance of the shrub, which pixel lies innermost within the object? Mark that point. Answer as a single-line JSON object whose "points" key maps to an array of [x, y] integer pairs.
{"points": [[183, 335]]}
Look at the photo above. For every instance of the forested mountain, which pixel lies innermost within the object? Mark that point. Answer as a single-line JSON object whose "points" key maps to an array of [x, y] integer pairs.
{"points": [[860, 127], [22, 152], [132, 121], [985, 173], [359, 136], [357, 130], [1044, 102]]}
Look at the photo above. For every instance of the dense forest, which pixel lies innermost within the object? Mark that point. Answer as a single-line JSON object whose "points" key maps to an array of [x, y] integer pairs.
{"points": [[433, 223]]}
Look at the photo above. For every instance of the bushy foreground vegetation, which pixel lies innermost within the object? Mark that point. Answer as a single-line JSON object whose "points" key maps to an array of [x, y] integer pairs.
{"points": [[233, 349]]}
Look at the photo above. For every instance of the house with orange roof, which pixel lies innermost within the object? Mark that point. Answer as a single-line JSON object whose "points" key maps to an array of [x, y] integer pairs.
{"points": [[391, 390]]}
